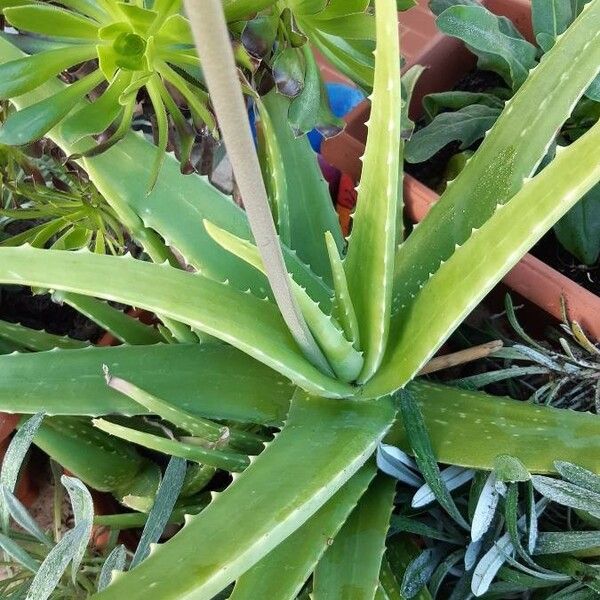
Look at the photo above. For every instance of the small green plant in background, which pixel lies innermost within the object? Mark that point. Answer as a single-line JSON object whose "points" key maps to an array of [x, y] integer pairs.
{"points": [[465, 117], [311, 344]]}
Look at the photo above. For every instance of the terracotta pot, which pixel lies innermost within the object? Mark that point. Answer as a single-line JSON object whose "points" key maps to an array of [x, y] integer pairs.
{"points": [[447, 61]]}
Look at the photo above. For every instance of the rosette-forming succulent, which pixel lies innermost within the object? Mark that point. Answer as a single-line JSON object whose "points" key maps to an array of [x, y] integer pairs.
{"points": [[319, 338]]}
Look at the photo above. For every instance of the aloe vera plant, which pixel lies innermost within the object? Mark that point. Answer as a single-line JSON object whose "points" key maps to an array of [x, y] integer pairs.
{"points": [[326, 352]]}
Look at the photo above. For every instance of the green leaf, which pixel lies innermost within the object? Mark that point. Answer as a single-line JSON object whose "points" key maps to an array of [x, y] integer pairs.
{"points": [[214, 381], [420, 444], [302, 201], [13, 459], [467, 125], [401, 552], [509, 469], [115, 561], [50, 21], [369, 264], [258, 329], [83, 512], [470, 429], [486, 256], [97, 116], [51, 570], [17, 553], [512, 57], [22, 75], [101, 461], [349, 570], [579, 230], [437, 7], [288, 72], [313, 457], [419, 571], [560, 542], [32, 339], [342, 356], [22, 517], [33, 122], [433, 104], [221, 459], [567, 494], [160, 513], [284, 570], [578, 475], [550, 19]]}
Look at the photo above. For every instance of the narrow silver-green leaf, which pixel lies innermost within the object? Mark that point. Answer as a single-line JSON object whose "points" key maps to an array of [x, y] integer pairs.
{"points": [[160, 513], [115, 561]]}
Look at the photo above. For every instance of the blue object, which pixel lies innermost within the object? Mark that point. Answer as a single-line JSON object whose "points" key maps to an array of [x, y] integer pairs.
{"points": [[342, 99]]}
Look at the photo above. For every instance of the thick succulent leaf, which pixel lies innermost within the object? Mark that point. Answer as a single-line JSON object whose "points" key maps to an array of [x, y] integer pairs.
{"points": [[322, 445], [33, 122], [470, 429], [50, 20], [36, 340], [20, 74], [507, 53], [484, 258], [301, 197], [349, 570], [467, 125], [369, 264], [509, 153], [221, 459], [342, 356], [103, 462], [97, 116], [214, 381], [258, 328], [125, 328], [284, 570], [236, 10], [579, 230]]}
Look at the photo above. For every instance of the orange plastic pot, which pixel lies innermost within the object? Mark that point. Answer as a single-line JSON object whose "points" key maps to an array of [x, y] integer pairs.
{"points": [[447, 61]]}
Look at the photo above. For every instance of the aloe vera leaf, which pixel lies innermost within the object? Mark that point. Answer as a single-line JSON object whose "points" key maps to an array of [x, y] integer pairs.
{"points": [[301, 196], [343, 309], [349, 570], [125, 328], [32, 339], [221, 459], [33, 122], [282, 573], [485, 257], [218, 64], [20, 74], [216, 434], [510, 152], [50, 21], [341, 355], [101, 461], [95, 117], [470, 429], [321, 446], [369, 264], [213, 381], [258, 328]]}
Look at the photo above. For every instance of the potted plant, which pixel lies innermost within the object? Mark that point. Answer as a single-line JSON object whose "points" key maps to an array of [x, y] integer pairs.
{"points": [[287, 365], [447, 61]]}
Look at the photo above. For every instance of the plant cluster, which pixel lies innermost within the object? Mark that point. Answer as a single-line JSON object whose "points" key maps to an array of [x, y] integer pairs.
{"points": [[464, 117], [286, 364]]}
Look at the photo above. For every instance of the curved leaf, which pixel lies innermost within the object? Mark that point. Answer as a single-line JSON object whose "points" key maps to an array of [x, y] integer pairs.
{"points": [[50, 20]]}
